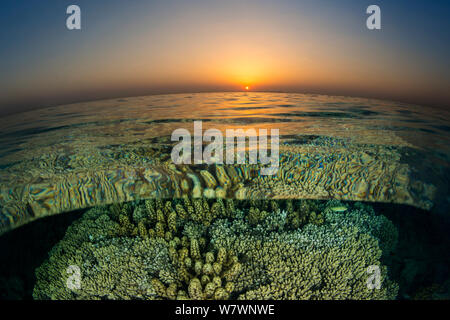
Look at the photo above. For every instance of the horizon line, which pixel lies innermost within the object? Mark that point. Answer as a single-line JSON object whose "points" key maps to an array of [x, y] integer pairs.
{"points": [[85, 100]]}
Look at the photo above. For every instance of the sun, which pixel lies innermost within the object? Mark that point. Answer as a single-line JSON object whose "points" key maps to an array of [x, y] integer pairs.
{"points": [[247, 88]]}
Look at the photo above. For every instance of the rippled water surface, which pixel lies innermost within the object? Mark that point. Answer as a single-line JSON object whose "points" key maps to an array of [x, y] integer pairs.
{"points": [[75, 156]]}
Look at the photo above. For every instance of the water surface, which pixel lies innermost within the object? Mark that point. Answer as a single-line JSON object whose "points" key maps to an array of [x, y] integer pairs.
{"points": [[75, 156]]}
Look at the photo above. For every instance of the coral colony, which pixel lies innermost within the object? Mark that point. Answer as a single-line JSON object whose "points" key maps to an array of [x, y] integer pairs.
{"points": [[222, 249]]}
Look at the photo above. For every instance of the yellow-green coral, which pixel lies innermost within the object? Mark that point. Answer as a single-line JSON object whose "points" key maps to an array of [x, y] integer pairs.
{"points": [[301, 212], [333, 273], [200, 276], [123, 250], [220, 249], [327, 261], [255, 215], [111, 266]]}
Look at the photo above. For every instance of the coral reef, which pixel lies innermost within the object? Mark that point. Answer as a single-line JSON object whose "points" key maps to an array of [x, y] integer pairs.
{"points": [[221, 249], [132, 251], [320, 262], [366, 220], [199, 275]]}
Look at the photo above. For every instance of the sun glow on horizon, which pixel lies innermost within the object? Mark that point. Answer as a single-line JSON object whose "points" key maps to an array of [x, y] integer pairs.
{"points": [[225, 46]]}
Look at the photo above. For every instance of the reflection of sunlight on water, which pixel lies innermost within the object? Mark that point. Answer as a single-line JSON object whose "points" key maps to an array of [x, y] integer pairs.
{"points": [[81, 140], [130, 120], [124, 121]]}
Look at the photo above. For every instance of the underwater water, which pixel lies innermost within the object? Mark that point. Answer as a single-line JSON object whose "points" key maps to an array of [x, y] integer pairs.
{"points": [[357, 208]]}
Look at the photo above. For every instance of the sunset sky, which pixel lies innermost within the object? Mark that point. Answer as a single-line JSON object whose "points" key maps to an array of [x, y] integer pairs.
{"points": [[128, 48]]}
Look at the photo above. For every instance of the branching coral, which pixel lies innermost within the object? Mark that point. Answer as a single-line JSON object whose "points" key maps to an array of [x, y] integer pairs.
{"points": [[91, 244], [333, 273], [199, 275], [329, 261], [126, 253], [220, 249], [301, 212], [365, 219]]}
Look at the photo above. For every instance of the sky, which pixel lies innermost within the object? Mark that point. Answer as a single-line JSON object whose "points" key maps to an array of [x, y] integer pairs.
{"points": [[129, 48]]}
